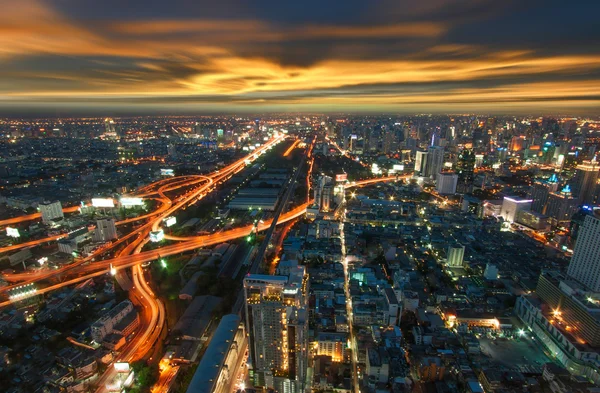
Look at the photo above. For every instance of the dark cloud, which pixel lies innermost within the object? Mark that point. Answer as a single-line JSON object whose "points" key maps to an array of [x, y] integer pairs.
{"points": [[268, 54]]}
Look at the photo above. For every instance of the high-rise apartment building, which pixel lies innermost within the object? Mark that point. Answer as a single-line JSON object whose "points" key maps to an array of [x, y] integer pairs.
{"points": [[456, 254], [277, 323], [421, 163], [50, 211], [435, 161], [585, 264]]}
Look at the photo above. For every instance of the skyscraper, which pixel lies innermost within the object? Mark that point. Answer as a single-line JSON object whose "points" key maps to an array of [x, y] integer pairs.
{"points": [[585, 264], [465, 169], [585, 181], [435, 161], [277, 322], [456, 254], [561, 206], [421, 163], [539, 193]]}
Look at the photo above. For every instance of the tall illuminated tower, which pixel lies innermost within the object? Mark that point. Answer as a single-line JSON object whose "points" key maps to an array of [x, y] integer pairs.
{"points": [[277, 323], [585, 181]]}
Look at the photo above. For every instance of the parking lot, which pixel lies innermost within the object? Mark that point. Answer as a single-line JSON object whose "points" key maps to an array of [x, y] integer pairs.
{"points": [[524, 353]]}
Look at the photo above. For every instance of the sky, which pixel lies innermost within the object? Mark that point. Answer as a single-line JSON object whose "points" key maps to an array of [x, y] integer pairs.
{"points": [[227, 56]]}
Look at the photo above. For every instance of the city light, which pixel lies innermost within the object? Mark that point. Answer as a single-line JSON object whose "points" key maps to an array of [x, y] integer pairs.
{"points": [[521, 332], [103, 202], [131, 201], [163, 263], [12, 232]]}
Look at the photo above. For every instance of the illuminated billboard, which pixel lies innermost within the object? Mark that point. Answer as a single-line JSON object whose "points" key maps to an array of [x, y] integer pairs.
{"points": [[122, 367], [157, 236], [170, 221], [167, 172], [398, 167], [375, 169], [12, 232], [131, 201], [103, 202], [341, 177], [353, 136]]}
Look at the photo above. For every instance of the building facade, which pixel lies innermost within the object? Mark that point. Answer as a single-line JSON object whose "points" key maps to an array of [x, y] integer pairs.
{"points": [[277, 323]]}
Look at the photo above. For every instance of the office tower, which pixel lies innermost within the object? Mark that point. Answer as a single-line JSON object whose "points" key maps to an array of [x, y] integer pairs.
{"points": [[561, 206], [465, 169], [106, 229], [435, 161], [277, 323], [50, 211], [585, 181], [511, 206], [446, 183], [539, 193], [585, 264], [456, 254], [421, 163]]}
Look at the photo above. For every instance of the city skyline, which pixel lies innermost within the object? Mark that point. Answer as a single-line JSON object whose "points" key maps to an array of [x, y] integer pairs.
{"points": [[63, 57]]}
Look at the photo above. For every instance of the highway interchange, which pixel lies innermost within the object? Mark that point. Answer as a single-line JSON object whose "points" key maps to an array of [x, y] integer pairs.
{"points": [[152, 309]]}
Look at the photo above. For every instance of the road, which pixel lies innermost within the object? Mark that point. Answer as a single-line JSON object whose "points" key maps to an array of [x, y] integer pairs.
{"points": [[165, 204], [131, 255], [34, 216], [187, 244], [349, 314], [153, 323], [165, 210]]}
